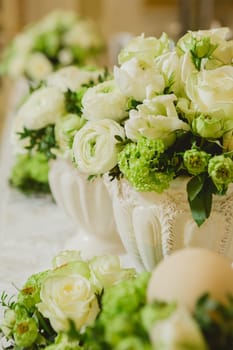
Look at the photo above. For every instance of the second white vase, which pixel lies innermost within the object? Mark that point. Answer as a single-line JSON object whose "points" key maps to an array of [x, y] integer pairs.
{"points": [[88, 205]]}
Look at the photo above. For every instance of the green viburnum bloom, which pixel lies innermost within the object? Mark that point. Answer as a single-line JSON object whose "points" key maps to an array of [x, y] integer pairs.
{"points": [[29, 295], [140, 164], [220, 170], [120, 316], [208, 127], [25, 332], [195, 161], [30, 173]]}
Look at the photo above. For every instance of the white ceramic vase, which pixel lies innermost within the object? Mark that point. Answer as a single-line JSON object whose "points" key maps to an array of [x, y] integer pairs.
{"points": [[89, 206], [153, 225]]}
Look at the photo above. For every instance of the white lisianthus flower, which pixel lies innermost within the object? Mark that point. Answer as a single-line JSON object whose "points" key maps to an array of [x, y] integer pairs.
{"points": [[38, 66], [145, 48], [186, 108], [187, 67], [211, 90], [170, 65], [104, 101], [95, 146], [135, 77], [43, 107], [107, 271], [67, 297], [155, 119], [72, 78], [177, 330]]}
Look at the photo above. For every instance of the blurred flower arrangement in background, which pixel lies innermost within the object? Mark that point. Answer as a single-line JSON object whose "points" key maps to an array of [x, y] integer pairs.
{"points": [[59, 39], [45, 124], [165, 112]]}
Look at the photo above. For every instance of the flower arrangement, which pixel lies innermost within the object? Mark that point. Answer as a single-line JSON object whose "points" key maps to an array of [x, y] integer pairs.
{"points": [[42, 133], [165, 113], [59, 39], [97, 304]]}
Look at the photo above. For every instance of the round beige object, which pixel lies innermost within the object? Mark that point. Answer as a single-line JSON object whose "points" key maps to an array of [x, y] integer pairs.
{"points": [[189, 273]]}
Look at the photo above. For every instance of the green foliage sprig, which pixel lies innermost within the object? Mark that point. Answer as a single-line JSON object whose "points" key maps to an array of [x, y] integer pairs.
{"points": [[41, 140]]}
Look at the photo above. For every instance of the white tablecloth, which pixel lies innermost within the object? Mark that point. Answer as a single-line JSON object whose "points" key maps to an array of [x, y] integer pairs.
{"points": [[32, 230]]}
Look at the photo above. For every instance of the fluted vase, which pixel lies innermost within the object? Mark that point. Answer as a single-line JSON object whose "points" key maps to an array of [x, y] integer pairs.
{"points": [[152, 225], [88, 204]]}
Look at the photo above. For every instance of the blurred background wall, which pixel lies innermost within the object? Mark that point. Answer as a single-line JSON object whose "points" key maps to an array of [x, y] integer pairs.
{"points": [[116, 16]]}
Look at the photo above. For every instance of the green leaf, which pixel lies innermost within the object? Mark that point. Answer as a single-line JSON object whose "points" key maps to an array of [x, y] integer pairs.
{"points": [[194, 186], [201, 203]]}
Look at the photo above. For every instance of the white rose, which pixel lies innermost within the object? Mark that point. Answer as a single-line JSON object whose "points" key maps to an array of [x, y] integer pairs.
{"points": [[107, 271], [95, 146], [212, 90], [68, 296], [177, 330], [155, 119], [38, 66], [145, 48], [57, 18], [24, 41], [72, 78], [17, 64], [223, 48], [65, 257], [104, 101], [135, 77], [43, 107]]}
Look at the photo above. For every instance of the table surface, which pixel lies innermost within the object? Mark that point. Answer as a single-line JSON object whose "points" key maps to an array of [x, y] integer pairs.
{"points": [[32, 229]]}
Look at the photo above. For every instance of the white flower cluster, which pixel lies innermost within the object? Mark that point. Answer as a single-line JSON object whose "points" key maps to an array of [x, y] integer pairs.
{"points": [[157, 89], [59, 39], [70, 290]]}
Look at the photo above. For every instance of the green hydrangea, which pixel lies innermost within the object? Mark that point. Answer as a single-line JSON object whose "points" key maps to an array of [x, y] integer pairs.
{"points": [[195, 161], [120, 317], [220, 170], [25, 332], [30, 173], [29, 295], [142, 164]]}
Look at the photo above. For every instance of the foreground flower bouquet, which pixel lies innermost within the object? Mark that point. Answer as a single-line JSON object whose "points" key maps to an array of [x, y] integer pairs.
{"points": [[34, 137], [175, 117], [57, 40], [97, 304]]}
